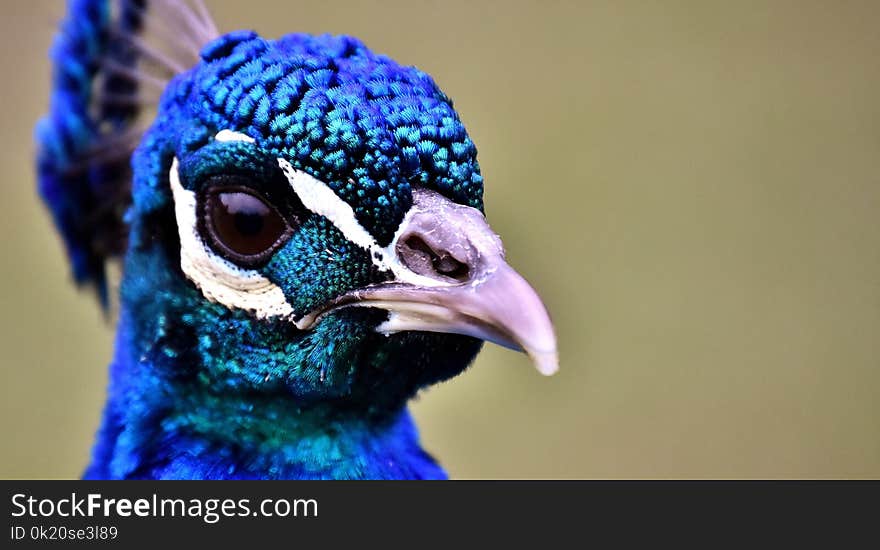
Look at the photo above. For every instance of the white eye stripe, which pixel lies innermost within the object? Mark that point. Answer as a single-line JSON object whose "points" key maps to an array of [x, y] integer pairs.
{"points": [[218, 279], [318, 198], [232, 135]]}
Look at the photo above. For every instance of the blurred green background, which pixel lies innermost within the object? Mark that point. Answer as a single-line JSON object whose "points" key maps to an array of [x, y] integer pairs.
{"points": [[693, 187]]}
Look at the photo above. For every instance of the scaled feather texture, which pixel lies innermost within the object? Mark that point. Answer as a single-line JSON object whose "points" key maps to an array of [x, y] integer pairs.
{"points": [[303, 245]]}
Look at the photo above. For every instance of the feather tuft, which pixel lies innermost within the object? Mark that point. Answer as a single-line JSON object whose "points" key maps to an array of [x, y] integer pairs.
{"points": [[111, 61]]}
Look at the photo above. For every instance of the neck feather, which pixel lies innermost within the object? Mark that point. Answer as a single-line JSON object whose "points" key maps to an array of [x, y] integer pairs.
{"points": [[156, 426]]}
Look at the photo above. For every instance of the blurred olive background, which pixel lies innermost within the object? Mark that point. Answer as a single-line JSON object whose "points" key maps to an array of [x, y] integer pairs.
{"points": [[693, 187]]}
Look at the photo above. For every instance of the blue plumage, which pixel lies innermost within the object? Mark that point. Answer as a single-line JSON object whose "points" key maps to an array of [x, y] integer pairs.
{"points": [[84, 195], [304, 249]]}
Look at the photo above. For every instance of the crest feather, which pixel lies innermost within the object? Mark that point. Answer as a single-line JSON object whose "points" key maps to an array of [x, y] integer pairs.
{"points": [[111, 61]]}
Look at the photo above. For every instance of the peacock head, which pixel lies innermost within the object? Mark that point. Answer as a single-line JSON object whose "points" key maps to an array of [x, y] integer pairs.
{"points": [[308, 218]]}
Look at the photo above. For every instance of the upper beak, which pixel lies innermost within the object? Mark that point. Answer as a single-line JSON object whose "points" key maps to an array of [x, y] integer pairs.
{"points": [[450, 276]]}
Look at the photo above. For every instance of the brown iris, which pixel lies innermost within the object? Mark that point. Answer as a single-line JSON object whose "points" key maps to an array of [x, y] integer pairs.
{"points": [[244, 227]]}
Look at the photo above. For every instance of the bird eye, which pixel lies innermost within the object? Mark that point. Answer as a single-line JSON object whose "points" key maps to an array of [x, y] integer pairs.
{"points": [[242, 226]]}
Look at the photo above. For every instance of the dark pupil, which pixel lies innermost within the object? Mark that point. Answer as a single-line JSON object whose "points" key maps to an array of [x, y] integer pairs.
{"points": [[248, 224], [243, 223]]}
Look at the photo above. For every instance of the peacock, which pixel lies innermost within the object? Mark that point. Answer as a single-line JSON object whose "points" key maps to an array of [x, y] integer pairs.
{"points": [[302, 238]]}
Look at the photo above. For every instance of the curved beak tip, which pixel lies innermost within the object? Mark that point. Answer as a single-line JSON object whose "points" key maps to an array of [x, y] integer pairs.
{"points": [[546, 362]]}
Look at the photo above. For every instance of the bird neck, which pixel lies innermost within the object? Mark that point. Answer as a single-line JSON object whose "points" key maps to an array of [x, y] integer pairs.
{"points": [[159, 426]]}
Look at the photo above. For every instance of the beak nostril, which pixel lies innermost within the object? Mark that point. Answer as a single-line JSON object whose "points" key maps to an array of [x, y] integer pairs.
{"points": [[450, 267], [420, 257]]}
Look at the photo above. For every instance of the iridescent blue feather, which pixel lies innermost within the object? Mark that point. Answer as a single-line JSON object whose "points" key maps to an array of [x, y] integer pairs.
{"points": [[83, 142], [198, 389]]}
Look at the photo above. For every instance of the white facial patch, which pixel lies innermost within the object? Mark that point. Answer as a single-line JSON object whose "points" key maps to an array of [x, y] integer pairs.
{"points": [[220, 280], [317, 197], [223, 282]]}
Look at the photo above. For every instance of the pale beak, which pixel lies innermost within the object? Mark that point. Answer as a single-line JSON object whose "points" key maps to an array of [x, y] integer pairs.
{"points": [[451, 277]]}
